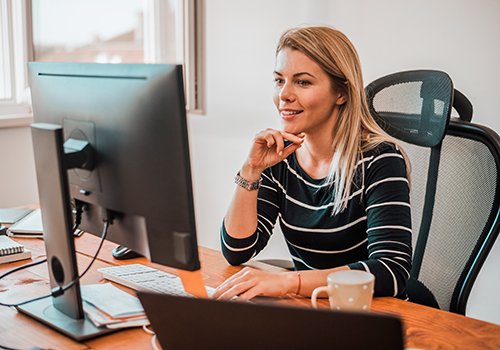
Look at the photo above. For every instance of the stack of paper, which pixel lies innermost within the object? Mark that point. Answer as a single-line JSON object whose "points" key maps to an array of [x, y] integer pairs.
{"points": [[11, 250], [9, 216], [106, 305], [29, 226]]}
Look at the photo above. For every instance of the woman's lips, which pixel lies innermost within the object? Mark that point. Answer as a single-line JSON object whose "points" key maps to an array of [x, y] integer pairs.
{"points": [[289, 114]]}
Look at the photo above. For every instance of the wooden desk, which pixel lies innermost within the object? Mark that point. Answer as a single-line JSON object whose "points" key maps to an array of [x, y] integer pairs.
{"points": [[425, 328]]}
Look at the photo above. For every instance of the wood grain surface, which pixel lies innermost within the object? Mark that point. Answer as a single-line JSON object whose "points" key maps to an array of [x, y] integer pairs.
{"points": [[425, 328]]}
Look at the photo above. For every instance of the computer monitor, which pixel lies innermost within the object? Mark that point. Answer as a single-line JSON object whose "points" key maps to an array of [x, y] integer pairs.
{"points": [[125, 156]]}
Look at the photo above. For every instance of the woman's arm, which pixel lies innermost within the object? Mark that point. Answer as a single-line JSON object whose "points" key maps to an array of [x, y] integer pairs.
{"points": [[387, 198], [263, 212], [250, 282], [267, 150], [248, 224], [389, 242]]}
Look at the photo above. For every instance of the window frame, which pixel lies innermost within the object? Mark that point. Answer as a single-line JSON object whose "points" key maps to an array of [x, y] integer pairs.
{"points": [[17, 112]]}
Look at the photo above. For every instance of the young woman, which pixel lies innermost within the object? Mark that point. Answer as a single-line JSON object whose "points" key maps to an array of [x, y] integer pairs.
{"points": [[335, 181]]}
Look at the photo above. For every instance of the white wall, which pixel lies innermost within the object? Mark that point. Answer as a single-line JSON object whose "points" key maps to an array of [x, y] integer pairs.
{"points": [[460, 37], [457, 36], [17, 173]]}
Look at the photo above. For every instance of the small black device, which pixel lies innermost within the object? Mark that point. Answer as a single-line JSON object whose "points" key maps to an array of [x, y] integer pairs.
{"points": [[123, 253]]}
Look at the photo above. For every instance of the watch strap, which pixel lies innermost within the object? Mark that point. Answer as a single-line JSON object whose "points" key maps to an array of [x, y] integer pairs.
{"points": [[247, 185]]}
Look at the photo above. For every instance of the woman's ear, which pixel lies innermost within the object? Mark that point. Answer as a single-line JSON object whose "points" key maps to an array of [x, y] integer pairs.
{"points": [[341, 99]]}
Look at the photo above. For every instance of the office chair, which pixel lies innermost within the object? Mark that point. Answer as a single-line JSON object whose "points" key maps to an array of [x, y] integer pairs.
{"points": [[455, 187]]}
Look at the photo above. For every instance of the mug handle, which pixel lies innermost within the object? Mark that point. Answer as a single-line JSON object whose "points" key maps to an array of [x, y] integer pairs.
{"points": [[315, 293]]}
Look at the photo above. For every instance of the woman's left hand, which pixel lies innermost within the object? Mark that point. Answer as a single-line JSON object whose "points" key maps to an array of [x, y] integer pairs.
{"points": [[250, 282]]}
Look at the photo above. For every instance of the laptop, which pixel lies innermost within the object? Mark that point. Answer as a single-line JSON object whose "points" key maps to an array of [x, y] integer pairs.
{"points": [[192, 323]]}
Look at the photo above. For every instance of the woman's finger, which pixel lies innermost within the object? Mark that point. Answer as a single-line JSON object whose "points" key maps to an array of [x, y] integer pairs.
{"points": [[270, 140], [299, 138], [280, 142], [250, 293], [237, 289], [290, 149], [234, 279], [224, 286]]}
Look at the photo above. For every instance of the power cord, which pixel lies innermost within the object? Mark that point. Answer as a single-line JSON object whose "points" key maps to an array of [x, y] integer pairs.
{"points": [[153, 338], [78, 215], [78, 210], [19, 268], [60, 290], [4, 347]]}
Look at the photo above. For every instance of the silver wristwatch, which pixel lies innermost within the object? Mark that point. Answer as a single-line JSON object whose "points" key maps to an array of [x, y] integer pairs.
{"points": [[247, 185]]}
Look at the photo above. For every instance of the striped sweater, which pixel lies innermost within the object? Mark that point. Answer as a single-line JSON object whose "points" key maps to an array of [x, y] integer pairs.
{"points": [[373, 233]]}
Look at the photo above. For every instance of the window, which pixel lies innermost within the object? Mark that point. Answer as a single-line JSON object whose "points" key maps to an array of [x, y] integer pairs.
{"points": [[89, 31], [14, 96], [5, 57], [110, 31]]}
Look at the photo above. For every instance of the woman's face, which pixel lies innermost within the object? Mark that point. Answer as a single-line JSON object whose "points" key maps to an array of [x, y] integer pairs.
{"points": [[303, 94]]}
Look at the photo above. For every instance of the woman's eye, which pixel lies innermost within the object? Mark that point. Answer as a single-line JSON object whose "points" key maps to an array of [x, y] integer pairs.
{"points": [[303, 82], [278, 81]]}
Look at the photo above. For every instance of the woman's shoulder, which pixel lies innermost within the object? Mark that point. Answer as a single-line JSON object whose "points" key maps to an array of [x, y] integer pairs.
{"points": [[385, 159], [385, 147]]}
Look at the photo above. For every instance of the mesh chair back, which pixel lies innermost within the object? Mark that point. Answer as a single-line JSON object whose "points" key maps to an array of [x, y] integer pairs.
{"points": [[419, 160], [413, 106], [454, 180], [466, 206]]}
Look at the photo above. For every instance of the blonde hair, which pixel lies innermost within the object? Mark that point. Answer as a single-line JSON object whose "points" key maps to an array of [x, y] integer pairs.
{"points": [[356, 131]]}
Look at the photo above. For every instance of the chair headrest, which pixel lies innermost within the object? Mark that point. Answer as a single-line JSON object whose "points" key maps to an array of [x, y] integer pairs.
{"points": [[413, 106]]}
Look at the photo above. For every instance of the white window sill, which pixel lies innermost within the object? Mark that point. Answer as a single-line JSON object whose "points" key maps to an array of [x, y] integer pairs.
{"points": [[15, 120]]}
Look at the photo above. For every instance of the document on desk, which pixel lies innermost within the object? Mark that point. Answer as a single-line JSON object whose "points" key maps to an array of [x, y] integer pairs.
{"points": [[29, 226], [9, 216], [112, 300]]}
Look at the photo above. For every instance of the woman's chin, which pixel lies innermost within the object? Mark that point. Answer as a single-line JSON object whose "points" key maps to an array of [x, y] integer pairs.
{"points": [[290, 129]]}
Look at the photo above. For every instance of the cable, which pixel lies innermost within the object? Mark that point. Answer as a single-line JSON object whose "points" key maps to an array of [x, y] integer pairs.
{"points": [[153, 338], [147, 330], [6, 347], [60, 290], [78, 209], [153, 342], [19, 268]]}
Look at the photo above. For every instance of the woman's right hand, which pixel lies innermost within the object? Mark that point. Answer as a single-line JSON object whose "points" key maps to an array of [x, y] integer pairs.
{"points": [[269, 149]]}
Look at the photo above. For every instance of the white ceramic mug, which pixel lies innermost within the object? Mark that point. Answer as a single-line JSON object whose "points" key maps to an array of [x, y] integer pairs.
{"points": [[347, 290]]}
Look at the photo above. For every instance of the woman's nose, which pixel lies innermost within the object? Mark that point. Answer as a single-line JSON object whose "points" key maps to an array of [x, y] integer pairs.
{"points": [[287, 94]]}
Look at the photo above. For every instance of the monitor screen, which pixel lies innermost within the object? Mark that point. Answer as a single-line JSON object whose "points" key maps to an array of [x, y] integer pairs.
{"points": [[133, 116]]}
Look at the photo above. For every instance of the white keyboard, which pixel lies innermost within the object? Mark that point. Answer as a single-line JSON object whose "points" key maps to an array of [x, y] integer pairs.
{"points": [[144, 278]]}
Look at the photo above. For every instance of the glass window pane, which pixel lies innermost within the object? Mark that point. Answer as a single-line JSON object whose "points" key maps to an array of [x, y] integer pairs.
{"points": [[109, 31], [5, 71]]}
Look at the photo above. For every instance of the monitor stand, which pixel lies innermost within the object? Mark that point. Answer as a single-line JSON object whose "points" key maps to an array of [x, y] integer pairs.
{"points": [[45, 311], [65, 312]]}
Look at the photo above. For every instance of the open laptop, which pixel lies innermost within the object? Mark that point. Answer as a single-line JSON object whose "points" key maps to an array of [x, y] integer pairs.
{"points": [[191, 323]]}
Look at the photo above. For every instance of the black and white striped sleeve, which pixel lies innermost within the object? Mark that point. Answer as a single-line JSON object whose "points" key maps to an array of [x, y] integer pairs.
{"points": [[387, 197], [238, 251]]}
